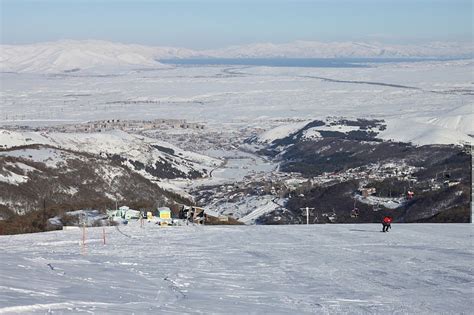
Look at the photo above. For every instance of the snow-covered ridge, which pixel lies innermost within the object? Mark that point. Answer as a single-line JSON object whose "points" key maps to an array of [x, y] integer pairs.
{"points": [[105, 57], [313, 49], [455, 127], [146, 151], [280, 132], [74, 56]]}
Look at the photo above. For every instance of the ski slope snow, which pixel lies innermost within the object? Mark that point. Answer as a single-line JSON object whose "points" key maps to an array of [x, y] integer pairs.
{"points": [[322, 269]]}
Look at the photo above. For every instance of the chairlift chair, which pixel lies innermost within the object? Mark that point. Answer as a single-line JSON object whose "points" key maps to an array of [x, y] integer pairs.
{"points": [[354, 213], [355, 210]]}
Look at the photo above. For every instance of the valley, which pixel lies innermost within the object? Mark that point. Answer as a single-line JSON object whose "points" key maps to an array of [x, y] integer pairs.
{"points": [[256, 143], [255, 177]]}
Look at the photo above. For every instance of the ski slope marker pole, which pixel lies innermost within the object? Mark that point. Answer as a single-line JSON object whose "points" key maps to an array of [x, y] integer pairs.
{"points": [[83, 238]]}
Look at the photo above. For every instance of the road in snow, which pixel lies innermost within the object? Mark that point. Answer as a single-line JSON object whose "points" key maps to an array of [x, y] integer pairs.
{"points": [[416, 268]]}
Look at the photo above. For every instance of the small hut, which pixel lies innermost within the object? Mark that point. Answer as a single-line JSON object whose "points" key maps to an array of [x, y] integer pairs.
{"points": [[165, 216]]}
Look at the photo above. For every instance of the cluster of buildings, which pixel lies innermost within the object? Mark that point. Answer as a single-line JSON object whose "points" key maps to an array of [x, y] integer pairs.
{"points": [[129, 125], [163, 216], [117, 124], [124, 214], [373, 172]]}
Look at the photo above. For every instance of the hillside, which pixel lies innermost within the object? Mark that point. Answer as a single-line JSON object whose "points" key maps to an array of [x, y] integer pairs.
{"points": [[150, 157], [38, 177], [339, 158], [90, 170]]}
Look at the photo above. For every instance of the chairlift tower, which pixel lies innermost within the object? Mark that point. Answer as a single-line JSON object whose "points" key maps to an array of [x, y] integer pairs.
{"points": [[307, 213]]}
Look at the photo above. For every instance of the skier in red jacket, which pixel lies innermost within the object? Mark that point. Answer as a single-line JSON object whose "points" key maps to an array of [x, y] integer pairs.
{"points": [[387, 220]]}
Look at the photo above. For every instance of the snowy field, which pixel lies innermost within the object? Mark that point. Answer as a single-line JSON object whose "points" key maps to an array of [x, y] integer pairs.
{"points": [[415, 269], [418, 97]]}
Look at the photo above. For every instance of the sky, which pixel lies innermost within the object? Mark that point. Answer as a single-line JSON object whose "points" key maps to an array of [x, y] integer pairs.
{"points": [[215, 24]]}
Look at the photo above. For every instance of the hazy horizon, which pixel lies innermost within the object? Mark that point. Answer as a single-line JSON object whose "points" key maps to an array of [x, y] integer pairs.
{"points": [[211, 24]]}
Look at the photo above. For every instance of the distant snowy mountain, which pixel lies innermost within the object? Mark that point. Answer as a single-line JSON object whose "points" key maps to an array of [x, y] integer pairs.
{"points": [[310, 49], [105, 57], [74, 56]]}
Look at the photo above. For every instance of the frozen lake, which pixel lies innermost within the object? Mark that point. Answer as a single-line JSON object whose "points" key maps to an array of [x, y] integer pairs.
{"points": [[416, 268], [290, 62]]}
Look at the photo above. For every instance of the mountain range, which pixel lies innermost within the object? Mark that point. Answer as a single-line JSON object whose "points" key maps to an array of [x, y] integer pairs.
{"points": [[102, 56]]}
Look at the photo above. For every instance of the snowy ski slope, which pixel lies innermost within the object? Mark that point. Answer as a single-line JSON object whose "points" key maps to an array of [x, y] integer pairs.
{"points": [[352, 269], [255, 214]]}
